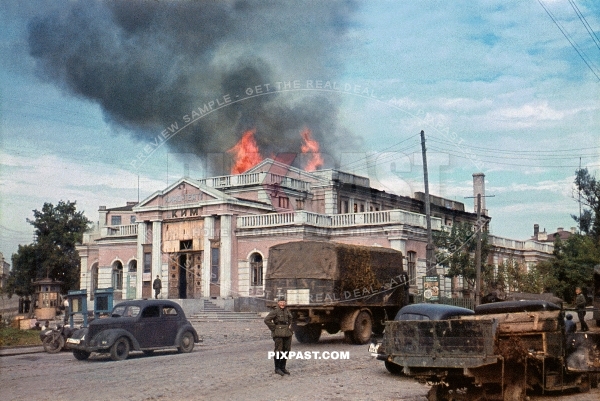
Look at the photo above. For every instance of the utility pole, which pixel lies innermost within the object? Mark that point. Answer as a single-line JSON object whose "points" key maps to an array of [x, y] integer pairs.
{"points": [[430, 269], [480, 226], [478, 254]]}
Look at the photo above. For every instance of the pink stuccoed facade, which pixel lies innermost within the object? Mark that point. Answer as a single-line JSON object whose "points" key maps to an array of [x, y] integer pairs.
{"points": [[209, 238]]}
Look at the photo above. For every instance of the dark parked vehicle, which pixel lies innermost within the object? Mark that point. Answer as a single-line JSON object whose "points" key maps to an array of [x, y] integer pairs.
{"points": [[422, 311], [140, 325]]}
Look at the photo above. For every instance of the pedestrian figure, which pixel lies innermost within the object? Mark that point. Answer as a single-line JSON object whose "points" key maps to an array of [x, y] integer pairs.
{"points": [[157, 285], [580, 304], [279, 321]]}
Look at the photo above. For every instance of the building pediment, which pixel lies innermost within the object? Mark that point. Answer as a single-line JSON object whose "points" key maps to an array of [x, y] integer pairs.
{"points": [[184, 192]]}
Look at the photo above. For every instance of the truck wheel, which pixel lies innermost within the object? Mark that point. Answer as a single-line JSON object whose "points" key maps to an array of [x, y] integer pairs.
{"points": [[584, 386], [308, 334], [81, 355], [120, 349], [53, 343], [393, 368], [363, 326], [437, 393]]}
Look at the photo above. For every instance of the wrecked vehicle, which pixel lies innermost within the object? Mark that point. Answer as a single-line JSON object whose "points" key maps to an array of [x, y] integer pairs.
{"points": [[500, 353], [420, 311], [139, 325], [336, 287]]}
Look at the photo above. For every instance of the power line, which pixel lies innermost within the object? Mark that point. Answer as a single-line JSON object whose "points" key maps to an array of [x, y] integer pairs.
{"points": [[573, 44], [495, 150], [587, 26]]}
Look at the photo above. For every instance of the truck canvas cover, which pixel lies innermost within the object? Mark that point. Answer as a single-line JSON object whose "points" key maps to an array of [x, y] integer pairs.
{"points": [[354, 266], [318, 272]]}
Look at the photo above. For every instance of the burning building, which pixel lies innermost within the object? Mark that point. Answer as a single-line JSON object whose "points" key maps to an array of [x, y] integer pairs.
{"points": [[208, 238]]}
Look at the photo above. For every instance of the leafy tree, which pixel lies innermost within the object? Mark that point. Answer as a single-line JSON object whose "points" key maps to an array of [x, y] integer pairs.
{"points": [[456, 252], [57, 229], [588, 189], [514, 277], [572, 265]]}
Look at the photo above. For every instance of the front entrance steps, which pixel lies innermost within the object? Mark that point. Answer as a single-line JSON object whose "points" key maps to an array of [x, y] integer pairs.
{"points": [[214, 313]]}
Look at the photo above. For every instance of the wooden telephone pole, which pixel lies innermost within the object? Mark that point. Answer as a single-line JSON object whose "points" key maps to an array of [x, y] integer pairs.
{"points": [[480, 226], [430, 263]]}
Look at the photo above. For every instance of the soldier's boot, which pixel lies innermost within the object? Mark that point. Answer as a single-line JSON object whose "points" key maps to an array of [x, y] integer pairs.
{"points": [[282, 366], [278, 367]]}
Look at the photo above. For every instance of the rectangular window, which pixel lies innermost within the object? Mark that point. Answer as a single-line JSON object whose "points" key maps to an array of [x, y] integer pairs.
{"points": [[147, 262], [132, 219], [411, 261], [362, 207], [115, 220], [214, 265], [344, 206], [284, 203]]}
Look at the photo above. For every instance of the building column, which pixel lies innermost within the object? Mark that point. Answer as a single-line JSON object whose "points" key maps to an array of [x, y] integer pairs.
{"points": [[157, 251], [141, 235], [225, 259], [84, 273], [398, 244], [209, 232]]}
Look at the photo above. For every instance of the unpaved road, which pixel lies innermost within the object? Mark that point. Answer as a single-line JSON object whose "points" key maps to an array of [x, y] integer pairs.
{"points": [[231, 364]]}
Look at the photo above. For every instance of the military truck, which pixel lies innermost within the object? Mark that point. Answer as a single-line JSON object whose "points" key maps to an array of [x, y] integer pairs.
{"points": [[500, 353], [336, 287]]}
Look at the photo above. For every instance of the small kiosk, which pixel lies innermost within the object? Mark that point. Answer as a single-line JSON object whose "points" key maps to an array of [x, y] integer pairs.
{"points": [[47, 298], [77, 305], [103, 301]]}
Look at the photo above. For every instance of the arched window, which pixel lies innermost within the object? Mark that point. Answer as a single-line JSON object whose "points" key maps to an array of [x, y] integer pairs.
{"points": [[133, 266], [256, 269], [117, 276]]}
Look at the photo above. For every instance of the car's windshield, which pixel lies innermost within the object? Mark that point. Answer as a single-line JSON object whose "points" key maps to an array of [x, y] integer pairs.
{"points": [[126, 311]]}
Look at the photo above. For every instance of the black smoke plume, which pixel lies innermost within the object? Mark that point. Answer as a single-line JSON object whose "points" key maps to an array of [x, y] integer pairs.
{"points": [[149, 63]]}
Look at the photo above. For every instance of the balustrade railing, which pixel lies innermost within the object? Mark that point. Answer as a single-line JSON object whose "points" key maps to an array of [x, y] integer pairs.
{"points": [[337, 220], [119, 231], [259, 178]]}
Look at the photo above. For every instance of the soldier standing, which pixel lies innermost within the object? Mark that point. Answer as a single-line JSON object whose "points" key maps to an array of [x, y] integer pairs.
{"points": [[279, 321], [580, 304], [157, 285]]}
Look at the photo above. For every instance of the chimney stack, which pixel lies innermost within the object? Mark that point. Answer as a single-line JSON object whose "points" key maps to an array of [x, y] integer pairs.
{"points": [[536, 230], [479, 188]]}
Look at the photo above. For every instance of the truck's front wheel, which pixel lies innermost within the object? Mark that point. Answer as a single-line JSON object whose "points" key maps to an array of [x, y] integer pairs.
{"points": [[363, 326], [308, 334]]}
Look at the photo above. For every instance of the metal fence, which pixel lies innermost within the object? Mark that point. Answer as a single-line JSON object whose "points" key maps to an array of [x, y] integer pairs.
{"points": [[468, 303]]}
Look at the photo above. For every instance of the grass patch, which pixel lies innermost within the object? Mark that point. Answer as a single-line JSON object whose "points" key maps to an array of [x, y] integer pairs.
{"points": [[10, 337]]}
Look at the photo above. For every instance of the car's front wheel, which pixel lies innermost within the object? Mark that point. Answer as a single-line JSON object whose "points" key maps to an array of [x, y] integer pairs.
{"points": [[186, 343], [120, 349], [81, 355]]}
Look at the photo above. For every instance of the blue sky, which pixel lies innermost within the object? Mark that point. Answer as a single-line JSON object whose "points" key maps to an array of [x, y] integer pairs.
{"points": [[86, 87]]}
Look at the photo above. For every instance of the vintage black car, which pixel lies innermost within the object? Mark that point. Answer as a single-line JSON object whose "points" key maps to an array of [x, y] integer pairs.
{"points": [[138, 325], [421, 311]]}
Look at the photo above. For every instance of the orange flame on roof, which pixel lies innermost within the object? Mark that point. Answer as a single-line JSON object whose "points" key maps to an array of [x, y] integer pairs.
{"points": [[245, 153], [311, 146]]}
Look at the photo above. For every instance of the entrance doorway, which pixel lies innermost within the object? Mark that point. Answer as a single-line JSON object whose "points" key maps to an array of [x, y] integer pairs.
{"points": [[184, 265]]}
